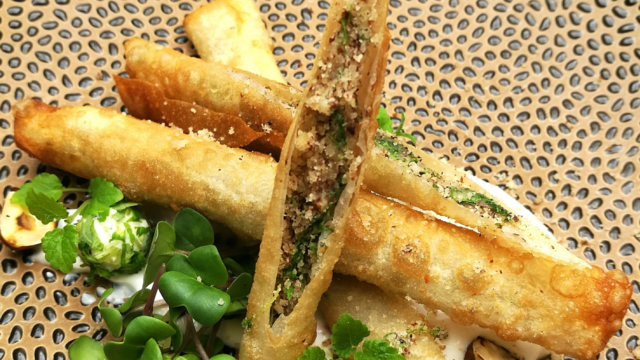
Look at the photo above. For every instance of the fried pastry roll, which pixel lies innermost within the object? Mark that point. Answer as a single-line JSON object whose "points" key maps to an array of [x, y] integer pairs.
{"points": [[263, 104], [401, 171], [318, 173], [231, 32], [387, 315], [566, 308], [151, 162], [521, 294]]}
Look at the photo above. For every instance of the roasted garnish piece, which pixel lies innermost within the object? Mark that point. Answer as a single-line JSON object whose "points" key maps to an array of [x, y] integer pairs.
{"points": [[319, 171], [231, 32], [19, 228], [151, 162], [482, 349], [388, 316]]}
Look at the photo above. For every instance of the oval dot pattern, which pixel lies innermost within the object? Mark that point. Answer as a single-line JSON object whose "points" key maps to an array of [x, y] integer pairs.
{"points": [[540, 97], [39, 313]]}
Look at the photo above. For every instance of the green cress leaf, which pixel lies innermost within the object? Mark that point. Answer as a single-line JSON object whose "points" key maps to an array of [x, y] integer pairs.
{"points": [[384, 120], [223, 357], [180, 263], [240, 287], [103, 195], [45, 208], [192, 230], [84, 348], [47, 184], [151, 351], [60, 248], [111, 316], [233, 266], [205, 304], [375, 349], [237, 307], [135, 339], [124, 205], [181, 357], [400, 131], [312, 353], [130, 316], [208, 265], [138, 298], [162, 249], [347, 334]]}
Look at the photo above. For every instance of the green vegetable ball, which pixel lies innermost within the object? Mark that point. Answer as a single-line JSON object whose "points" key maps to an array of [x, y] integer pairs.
{"points": [[114, 242]]}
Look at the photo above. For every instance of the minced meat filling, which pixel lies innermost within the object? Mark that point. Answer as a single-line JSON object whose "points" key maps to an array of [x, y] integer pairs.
{"points": [[322, 158]]}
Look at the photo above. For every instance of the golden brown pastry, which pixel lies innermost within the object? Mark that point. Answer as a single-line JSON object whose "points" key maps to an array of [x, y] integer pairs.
{"points": [[263, 104], [519, 293], [318, 173], [522, 294], [231, 32], [387, 315], [151, 162]]}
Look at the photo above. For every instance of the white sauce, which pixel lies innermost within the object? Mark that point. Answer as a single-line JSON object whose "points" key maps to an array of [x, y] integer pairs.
{"points": [[461, 336]]}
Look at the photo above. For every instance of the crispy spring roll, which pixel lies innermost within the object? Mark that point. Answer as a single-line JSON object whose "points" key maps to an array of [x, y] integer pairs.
{"points": [[146, 101], [150, 162], [389, 316], [231, 32], [522, 295], [568, 309], [406, 173], [258, 101], [319, 171]]}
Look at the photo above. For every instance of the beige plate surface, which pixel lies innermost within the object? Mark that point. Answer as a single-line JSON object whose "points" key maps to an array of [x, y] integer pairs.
{"points": [[541, 97]]}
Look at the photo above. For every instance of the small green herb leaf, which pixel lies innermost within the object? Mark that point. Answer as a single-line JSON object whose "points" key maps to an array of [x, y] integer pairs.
{"points": [[205, 304], [384, 120], [45, 208], [124, 205], [60, 248], [136, 337], [111, 316], [103, 195], [347, 334], [151, 351], [223, 357], [470, 197], [233, 266], [192, 230], [237, 307], [312, 353], [140, 297], [180, 263], [47, 184], [374, 349], [208, 265], [162, 249], [84, 348], [240, 287]]}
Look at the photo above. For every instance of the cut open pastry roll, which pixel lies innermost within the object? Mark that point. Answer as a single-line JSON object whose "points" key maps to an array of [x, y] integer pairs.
{"points": [[318, 173]]}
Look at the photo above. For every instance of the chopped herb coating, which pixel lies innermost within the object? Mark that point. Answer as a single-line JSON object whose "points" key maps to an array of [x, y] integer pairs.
{"points": [[470, 197]]}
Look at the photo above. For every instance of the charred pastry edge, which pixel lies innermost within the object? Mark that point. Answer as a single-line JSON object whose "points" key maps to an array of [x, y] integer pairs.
{"points": [[302, 251], [393, 147]]}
